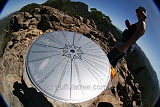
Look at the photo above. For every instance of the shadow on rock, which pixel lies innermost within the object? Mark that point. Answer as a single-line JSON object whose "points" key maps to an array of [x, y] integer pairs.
{"points": [[104, 104], [29, 97]]}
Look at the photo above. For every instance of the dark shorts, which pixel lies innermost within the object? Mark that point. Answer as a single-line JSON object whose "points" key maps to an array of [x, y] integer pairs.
{"points": [[115, 56]]}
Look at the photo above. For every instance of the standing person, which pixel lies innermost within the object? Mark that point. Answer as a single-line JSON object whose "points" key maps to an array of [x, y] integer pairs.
{"points": [[130, 36]]}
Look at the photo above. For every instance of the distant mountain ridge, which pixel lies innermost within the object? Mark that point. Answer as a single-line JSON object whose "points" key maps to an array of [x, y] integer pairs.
{"points": [[144, 74]]}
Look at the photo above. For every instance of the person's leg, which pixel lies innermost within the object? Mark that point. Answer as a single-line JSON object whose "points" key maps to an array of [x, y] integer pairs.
{"points": [[115, 62], [121, 55], [114, 56]]}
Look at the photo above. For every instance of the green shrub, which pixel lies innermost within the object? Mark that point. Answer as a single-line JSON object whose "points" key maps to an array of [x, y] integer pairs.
{"points": [[29, 8]]}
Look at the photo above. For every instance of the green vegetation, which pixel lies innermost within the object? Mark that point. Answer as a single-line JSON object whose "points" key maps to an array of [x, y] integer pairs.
{"points": [[30, 7], [99, 16], [59, 4], [69, 7]]}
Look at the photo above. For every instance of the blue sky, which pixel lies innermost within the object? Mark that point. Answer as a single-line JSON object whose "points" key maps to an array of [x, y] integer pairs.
{"points": [[118, 12]]}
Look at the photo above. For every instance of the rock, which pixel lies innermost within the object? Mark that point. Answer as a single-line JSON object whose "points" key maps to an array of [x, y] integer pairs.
{"points": [[86, 21], [84, 29], [34, 21], [37, 16], [33, 33], [68, 20], [21, 21], [11, 79], [27, 15], [88, 35], [36, 10], [44, 25], [44, 11], [45, 17], [80, 18], [56, 25], [111, 39], [26, 24], [16, 23], [92, 23], [77, 22], [54, 18]]}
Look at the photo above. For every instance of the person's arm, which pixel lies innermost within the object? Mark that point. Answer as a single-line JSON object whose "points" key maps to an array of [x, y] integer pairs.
{"points": [[141, 27], [127, 23]]}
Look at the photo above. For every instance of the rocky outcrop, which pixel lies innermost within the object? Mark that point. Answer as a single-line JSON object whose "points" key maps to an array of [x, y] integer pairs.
{"points": [[25, 28], [144, 75]]}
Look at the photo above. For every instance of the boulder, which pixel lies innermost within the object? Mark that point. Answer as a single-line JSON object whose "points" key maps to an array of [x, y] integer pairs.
{"points": [[16, 23], [36, 11], [34, 21], [37, 16], [79, 17], [44, 25], [68, 20], [86, 21], [44, 11], [27, 15], [54, 18]]}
